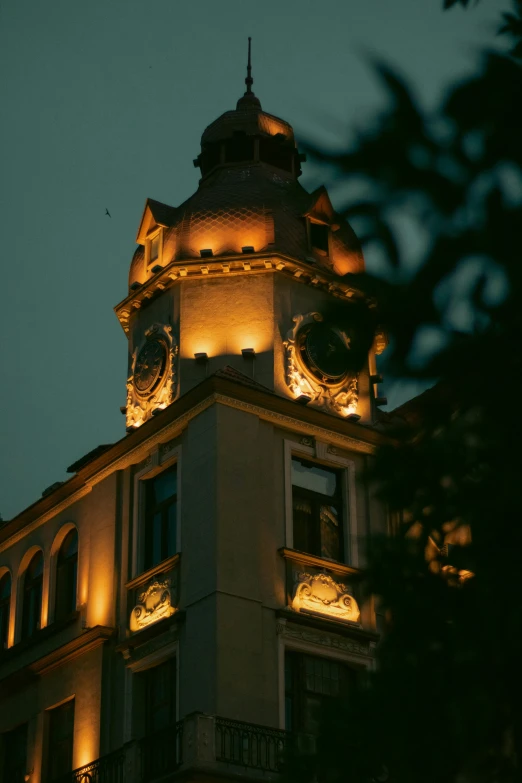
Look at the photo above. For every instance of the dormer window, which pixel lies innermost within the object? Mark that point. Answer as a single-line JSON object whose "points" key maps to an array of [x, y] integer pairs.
{"points": [[319, 237]]}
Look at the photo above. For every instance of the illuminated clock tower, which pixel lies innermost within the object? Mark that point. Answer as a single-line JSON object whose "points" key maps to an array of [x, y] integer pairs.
{"points": [[239, 275]]}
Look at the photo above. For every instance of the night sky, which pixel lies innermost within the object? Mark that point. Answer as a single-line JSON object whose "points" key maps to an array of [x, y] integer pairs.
{"points": [[104, 103]]}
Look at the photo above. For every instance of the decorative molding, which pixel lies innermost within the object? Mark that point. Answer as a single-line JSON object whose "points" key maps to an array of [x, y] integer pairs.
{"points": [[324, 639], [154, 604], [289, 422], [320, 594], [312, 561], [173, 430], [87, 641], [166, 448], [341, 398], [161, 568], [140, 408]]}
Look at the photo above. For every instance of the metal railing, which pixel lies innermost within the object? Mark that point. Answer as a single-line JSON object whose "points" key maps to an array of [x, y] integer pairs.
{"points": [[161, 752], [107, 769], [250, 745]]}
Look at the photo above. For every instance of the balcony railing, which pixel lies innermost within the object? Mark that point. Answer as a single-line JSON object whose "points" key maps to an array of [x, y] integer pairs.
{"points": [[249, 745], [107, 769], [198, 741]]}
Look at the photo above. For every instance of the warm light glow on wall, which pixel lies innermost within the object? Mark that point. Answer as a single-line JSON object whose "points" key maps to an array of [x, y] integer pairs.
{"points": [[86, 744], [99, 598]]}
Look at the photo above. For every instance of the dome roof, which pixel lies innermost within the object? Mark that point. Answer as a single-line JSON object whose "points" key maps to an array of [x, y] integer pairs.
{"points": [[249, 196]]}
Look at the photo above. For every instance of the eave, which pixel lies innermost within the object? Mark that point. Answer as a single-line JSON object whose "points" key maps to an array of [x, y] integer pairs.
{"points": [[171, 422], [256, 263]]}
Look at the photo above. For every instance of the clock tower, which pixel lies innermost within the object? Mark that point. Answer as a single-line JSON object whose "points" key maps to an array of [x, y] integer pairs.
{"points": [[244, 275]]}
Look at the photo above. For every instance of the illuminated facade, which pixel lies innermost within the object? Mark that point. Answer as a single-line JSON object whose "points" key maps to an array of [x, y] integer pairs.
{"points": [[188, 595]]}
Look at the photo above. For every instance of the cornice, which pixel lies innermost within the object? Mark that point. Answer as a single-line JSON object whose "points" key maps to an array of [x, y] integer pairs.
{"points": [[88, 640], [232, 265], [289, 422], [317, 562], [171, 422]]}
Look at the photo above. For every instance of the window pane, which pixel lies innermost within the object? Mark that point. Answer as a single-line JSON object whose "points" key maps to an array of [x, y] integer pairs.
{"points": [[171, 530], [319, 236], [15, 754], [5, 586], [156, 539], [330, 533], [154, 248], [315, 478], [163, 486], [69, 546], [61, 732], [35, 567], [304, 539]]}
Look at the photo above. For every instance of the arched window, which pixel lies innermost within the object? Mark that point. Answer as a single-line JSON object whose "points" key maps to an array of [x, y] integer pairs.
{"points": [[66, 571], [32, 596], [5, 600]]}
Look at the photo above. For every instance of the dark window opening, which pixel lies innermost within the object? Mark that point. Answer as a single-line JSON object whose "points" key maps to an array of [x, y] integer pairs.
{"points": [[66, 576], [61, 737], [154, 248], [317, 510], [32, 596], [5, 602], [239, 147], [160, 517], [319, 237], [160, 744], [311, 685], [14, 752], [210, 157], [276, 153]]}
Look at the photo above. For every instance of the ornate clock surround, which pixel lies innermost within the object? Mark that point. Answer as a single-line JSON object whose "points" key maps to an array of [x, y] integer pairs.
{"points": [[152, 388], [338, 395]]}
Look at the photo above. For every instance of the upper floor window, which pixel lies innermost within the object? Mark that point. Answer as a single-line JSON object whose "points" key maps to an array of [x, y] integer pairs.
{"points": [[61, 733], [66, 576], [311, 683], [160, 517], [32, 596], [5, 601], [14, 753], [317, 509], [319, 237]]}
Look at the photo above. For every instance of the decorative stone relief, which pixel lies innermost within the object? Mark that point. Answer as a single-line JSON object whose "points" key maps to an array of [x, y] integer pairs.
{"points": [[155, 603], [324, 639], [142, 406], [341, 398], [320, 594]]}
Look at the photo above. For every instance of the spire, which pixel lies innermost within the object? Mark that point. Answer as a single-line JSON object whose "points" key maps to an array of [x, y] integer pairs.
{"points": [[249, 81], [249, 100]]}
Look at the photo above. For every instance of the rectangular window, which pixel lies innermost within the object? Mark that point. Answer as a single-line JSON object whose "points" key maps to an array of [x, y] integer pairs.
{"points": [[61, 737], [160, 518], [311, 683], [154, 244], [319, 237], [14, 754], [317, 509], [160, 744]]}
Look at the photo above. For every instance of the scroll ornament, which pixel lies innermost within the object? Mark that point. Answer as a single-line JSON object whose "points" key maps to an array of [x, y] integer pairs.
{"points": [[320, 594], [155, 603]]}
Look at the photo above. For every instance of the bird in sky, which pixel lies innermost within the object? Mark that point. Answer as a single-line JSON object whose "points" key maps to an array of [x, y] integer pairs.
{"points": [[107, 212]]}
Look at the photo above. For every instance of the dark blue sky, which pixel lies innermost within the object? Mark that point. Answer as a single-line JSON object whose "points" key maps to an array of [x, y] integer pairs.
{"points": [[103, 104]]}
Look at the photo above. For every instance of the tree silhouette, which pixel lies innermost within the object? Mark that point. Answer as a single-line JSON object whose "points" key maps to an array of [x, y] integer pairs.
{"points": [[445, 702]]}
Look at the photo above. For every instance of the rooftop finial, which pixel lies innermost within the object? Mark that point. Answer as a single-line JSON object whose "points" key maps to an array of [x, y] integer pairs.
{"points": [[249, 81]]}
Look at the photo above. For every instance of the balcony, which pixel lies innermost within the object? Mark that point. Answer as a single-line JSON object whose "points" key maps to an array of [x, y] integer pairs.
{"points": [[199, 743]]}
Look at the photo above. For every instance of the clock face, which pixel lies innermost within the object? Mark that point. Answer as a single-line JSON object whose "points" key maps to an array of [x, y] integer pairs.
{"points": [[150, 366], [324, 352]]}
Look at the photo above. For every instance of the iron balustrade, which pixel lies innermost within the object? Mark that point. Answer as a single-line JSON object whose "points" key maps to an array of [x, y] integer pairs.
{"points": [[250, 745], [107, 769], [161, 752]]}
